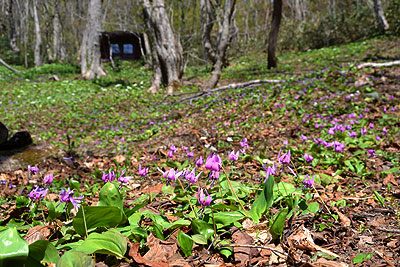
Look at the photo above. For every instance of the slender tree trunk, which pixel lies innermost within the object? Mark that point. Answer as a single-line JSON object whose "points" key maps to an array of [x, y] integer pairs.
{"points": [[226, 30], [380, 16], [273, 35], [25, 23], [90, 48], [38, 38], [12, 35], [56, 32], [167, 50]]}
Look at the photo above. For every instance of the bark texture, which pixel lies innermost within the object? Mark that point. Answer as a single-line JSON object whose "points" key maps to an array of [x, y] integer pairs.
{"points": [[38, 38], [12, 34], [216, 53], [166, 47], [90, 48], [380, 16], [273, 35]]}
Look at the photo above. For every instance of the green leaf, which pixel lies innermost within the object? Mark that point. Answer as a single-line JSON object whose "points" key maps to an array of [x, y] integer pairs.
{"points": [[362, 257], [75, 259], [139, 234], [186, 243], [12, 245], [43, 250], [98, 216], [111, 242], [225, 251], [201, 227], [269, 191], [227, 218], [278, 224], [283, 189], [110, 196], [199, 239], [264, 200]]}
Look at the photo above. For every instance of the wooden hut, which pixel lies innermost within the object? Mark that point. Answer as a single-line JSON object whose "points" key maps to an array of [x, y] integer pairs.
{"points": [[122, 45]]}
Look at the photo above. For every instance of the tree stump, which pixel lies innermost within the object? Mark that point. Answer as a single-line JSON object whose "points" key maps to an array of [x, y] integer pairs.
{"points": [[3, 133]]}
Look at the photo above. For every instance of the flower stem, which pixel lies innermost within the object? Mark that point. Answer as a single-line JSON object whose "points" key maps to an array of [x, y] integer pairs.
{"points": [[233, 191], [188, 199]]}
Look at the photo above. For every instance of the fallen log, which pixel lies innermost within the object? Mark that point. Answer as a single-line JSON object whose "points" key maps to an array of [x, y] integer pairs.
{"points": [[198, 94], [8, 66], [377, 65]]}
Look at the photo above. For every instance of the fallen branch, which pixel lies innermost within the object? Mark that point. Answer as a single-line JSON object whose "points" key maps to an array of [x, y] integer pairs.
{"points": [[8, 66], [227, 87], [377, 65], [274, 250]]}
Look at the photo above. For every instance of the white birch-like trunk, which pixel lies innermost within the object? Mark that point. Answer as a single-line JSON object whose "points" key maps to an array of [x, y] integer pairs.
{"points": [[38, 38], [167, 50], [380, 16], [90, 48]]}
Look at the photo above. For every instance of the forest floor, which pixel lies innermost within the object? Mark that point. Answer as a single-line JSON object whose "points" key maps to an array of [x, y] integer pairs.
{"points": [[346, 119]]}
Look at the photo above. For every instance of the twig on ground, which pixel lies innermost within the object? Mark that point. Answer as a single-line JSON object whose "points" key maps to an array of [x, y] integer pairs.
{"points": [[377, 65], [276, 251]]}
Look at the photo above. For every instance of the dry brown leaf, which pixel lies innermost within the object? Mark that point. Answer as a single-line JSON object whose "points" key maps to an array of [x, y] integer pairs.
{"points": [[389, 179], [301, 239], [242, 254], [344, 220], [322, 262], [392, 244], [120, 159], [160, 250], [134, 253], [154, 189], [259, 232], [39, 232]]}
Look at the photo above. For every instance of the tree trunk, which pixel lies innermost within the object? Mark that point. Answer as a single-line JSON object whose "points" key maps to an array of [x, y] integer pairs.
{"points": [[38, 38], [56, 32], [380, 16], [226, 30], [167, 54], [90, 48], [11, 27], [273, 35]]}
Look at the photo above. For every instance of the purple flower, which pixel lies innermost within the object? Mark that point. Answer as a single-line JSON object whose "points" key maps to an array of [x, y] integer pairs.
{"points": [[199, 162], [270, 171], [48, 179], [68, 196], [190, 154], [384, 131], [143, 172], [285, 142], [38, 193], [33, 169], [3, 182], [202, 198], [352, 134], [285, 158], [184, 148], [213, 162], [170, 153], [172, 148], [110, 177], [243, 143], [303, 138], [171, 174], [371, 153], [371, 125], [308, 182], [338, 146], [331, 131], [364, 130], [214, 176], [378, 138], [124, 179], [233, 156], [191, 176], [308, 157]]}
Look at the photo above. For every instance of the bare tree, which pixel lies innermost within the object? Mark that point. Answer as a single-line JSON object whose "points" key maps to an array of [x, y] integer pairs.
{"points": [[38, 37], [380, 16], [12, 34], [273, 35], [167, 50], [223, 14], [90, 47]]}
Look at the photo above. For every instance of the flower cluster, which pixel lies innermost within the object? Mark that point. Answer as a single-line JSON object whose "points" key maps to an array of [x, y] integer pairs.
{"points": [[68, 196], [38, 193]]}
